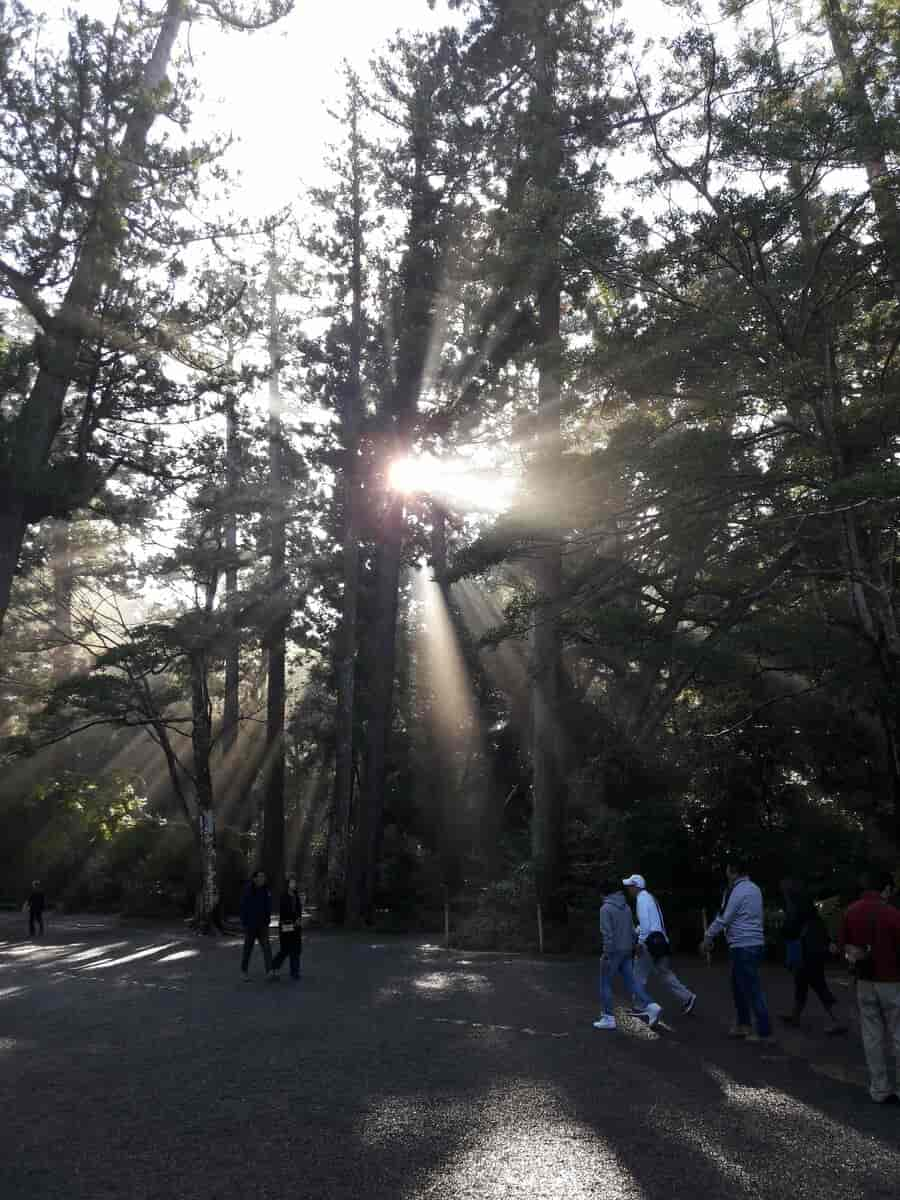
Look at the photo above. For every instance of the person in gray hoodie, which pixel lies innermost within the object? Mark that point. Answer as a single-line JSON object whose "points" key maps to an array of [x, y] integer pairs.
{"points": [[741, 918], [617, 928]]}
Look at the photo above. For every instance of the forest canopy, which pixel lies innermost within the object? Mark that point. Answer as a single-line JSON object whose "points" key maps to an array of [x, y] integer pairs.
{"points": [[517, 504]]}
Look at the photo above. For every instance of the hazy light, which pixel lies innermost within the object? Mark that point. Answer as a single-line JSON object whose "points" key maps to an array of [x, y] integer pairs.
{"points": [[454, 480]]}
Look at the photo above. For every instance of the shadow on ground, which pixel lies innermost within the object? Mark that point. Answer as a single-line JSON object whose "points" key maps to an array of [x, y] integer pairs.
{"points": [[135, 1063]]}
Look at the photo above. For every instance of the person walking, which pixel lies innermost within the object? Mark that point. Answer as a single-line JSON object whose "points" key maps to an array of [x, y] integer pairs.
{"points": [[653, 952], [618, 947], [806, 940], [290, 934], [35, 904], [256, 913], [741, 919], [869, 940]]}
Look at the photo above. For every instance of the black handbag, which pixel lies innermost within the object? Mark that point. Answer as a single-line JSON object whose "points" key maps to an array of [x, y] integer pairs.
{"points": [[656, 942]]}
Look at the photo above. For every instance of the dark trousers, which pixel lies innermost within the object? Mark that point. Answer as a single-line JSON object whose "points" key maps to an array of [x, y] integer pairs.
{"points": [[747, 987], [291, 946], [811, 974], [35, 919], [260, 935]]}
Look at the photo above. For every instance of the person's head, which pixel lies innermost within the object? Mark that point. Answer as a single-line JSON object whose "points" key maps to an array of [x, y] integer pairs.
{"points": [[292, 883], [35, 883], [791, 889], [873, 880], [735, 868], [609, 887], [634, 884], [259, 878]]}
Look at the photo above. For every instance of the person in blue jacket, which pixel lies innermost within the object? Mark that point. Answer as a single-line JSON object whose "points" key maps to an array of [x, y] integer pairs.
{"points": [[256, 913]]}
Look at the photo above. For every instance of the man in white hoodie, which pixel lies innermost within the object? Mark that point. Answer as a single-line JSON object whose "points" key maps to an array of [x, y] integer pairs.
{"points": [[650, 921]]}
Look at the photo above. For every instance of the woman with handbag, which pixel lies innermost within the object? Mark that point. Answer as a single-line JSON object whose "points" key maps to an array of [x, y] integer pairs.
{"points": [[806, 945], [290, 935]]}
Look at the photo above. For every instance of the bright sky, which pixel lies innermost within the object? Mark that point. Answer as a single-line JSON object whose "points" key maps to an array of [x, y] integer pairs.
{"points": [[271, 89]]}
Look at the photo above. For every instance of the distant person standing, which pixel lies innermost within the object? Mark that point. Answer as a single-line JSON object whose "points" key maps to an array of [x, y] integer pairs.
{"points": [[870, 941], [35, 904], [653, 953], [290, 930], [256, 913], [617, 929], [741, 918], [806, 939]]}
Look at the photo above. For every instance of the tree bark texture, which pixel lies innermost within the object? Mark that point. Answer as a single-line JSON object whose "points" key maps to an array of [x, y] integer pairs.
{"points": [[273, 804], [419, 283], [870, 143], [346, 649], [370, 811], [201, 745], [231, 709], [549, 788]]}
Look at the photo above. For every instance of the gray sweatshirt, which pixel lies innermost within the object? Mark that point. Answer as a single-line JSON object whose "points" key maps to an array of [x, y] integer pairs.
{"points": [[616, 925], [742, 917]]}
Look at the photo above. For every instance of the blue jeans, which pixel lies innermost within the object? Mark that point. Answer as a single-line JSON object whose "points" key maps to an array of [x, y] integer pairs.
{"points": [[747, 988], [619, 964]]}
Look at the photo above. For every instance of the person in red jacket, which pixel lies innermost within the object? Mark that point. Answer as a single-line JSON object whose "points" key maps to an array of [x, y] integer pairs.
{"points": [[870, 939]]}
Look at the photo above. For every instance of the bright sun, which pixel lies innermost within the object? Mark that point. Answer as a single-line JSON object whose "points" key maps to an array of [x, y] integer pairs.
{"points": [[453, 480]]}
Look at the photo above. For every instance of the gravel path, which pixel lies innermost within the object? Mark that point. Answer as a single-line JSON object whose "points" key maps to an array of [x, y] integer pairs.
{"points": [[134, 1063]]}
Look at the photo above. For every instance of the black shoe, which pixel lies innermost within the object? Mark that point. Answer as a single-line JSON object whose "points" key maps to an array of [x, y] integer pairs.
{"points": [[892, 1099]]}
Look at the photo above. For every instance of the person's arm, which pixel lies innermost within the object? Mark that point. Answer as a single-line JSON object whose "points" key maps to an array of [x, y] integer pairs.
{"points": [[794, 921], [724, 918], [644, 908], [842, 933], [606, 929]]}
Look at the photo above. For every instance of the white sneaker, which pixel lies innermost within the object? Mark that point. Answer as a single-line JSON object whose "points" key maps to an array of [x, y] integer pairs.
{"points": [[605, 1022], [651, 1014]]}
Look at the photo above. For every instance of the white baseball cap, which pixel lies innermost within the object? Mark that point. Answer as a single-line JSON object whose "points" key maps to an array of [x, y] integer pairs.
{"points": [[637, 881]]}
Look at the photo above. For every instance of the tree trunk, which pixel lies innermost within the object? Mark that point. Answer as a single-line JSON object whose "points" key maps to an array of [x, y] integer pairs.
{"points": [[273, 804], [201, 745], [351, 416], [61, 566], [41, 415], [231, 709], [367, 830], [549, 796], [870, 144]]}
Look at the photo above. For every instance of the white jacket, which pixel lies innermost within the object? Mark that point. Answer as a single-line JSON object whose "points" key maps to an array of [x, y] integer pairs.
{"points": [[649, 916]]}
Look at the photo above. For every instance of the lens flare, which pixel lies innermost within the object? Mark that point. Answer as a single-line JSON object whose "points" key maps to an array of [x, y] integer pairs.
{"points": [[456, 482]]}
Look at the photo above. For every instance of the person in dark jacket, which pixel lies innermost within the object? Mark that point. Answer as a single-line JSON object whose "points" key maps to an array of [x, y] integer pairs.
{"points": [[35, 904], [870, 941], [290, 934], [807, 942], [256, 913]]}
